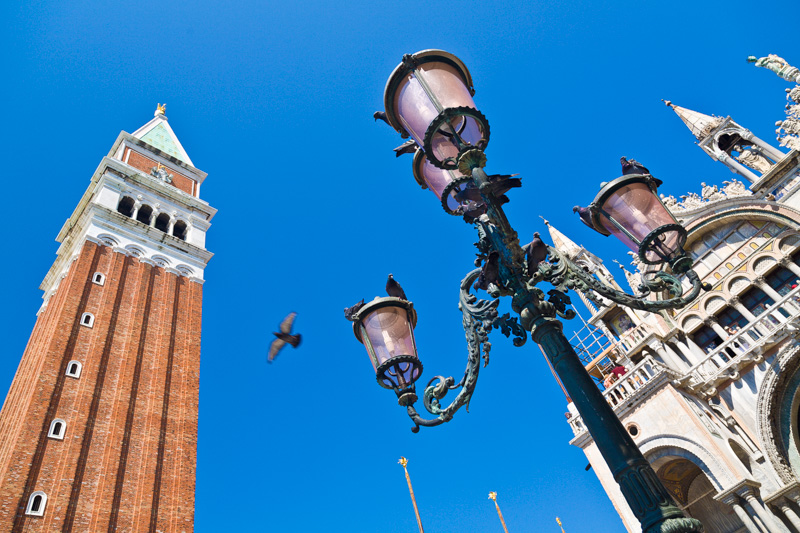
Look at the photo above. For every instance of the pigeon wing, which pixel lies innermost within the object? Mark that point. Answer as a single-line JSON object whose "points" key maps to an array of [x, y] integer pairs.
{"points": [[286, 325], [274, 348]]}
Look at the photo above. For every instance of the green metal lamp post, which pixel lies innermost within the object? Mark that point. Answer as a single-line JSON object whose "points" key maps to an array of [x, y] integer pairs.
{"points": [[429, 98]]}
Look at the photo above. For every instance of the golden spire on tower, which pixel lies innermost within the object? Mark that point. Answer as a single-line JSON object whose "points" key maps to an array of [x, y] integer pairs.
{"points": [[559, 523]]}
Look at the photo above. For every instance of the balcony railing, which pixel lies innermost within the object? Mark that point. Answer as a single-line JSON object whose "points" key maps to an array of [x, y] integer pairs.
{"points": [[634, 337], [747, 344]]}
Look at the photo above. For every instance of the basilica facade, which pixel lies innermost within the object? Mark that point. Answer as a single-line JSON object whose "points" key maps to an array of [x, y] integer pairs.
{"points": [[710, 392]]}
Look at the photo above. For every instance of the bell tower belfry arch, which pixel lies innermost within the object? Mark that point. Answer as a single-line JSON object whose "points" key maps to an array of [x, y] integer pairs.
{"points": [[99, 428], [731, 144]]}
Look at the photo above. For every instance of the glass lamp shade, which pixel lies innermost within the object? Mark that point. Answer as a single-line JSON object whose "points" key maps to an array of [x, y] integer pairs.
{"points": [[439, 180], [629, 208], [420, 89], [385, 327]]}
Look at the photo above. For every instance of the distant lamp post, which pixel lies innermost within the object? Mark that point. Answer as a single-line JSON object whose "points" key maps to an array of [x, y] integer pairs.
{"points": [[493, 497], [403, 461], [429, 98]]}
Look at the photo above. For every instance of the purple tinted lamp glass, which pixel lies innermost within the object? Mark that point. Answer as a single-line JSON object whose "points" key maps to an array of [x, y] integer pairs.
{"points": [[631, 212], [437, 179], [386, 328]]}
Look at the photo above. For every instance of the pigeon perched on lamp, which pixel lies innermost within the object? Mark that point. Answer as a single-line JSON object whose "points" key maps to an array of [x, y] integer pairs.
{"points": [[632, 166], [536, 252], [394, 289], [350, 312], [284, 337], [585, 213]]}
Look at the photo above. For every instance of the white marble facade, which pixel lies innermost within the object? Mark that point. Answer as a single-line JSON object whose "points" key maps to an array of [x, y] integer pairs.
{"points": [[711, 391]]}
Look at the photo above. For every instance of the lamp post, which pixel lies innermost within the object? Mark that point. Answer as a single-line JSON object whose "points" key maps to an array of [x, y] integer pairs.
{"points": [[429, 98]]}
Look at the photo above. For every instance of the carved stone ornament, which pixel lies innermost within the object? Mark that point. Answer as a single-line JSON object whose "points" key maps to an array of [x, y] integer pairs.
{"points": [[778, 65], [793, 94], [790, 125], [160, 172], [788, 141], [711, 192], [753, 159], [782, 368]]}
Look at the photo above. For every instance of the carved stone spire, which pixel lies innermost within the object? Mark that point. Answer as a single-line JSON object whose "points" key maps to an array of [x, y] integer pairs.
{"points": [[700, 125], [562, 242]]}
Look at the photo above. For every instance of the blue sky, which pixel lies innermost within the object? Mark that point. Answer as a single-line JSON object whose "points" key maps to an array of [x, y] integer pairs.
{"points": [[275, 102]]}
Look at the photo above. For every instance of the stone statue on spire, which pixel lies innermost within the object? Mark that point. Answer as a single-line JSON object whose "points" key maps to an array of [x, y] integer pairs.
{"points": [[778, 65]]}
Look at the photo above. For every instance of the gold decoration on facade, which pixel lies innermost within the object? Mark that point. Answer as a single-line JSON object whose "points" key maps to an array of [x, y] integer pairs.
{"points": [[161, 109]]}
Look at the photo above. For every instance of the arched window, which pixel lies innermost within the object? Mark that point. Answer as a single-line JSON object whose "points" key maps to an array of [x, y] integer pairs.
{"points": [[162, 222], [179, 230], [74, 369], [144, 214], [742, 455], [36, 504], [98, 278], [125, 206], [57, 429], [87, 319]]}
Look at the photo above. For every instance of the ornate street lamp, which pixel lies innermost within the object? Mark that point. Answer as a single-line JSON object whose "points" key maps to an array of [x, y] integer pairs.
{"points": [[429, 97]]}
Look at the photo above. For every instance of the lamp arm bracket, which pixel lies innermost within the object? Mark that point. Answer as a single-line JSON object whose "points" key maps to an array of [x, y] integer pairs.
{"points": [[564, 275], [479, 317]]}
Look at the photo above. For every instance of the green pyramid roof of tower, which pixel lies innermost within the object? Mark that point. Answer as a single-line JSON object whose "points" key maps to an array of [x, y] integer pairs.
{"points": [[160, 138]]}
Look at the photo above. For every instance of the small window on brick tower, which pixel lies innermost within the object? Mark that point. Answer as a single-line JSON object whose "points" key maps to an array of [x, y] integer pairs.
{"points": [[98, 278], [74, 369], [179, 230], [57, 429], [162, 222], [36, 504], [87, 320], [144, 214], [125, 206]]}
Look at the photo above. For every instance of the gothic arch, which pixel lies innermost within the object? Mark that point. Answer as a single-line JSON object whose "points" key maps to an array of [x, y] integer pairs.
{"points": [[660, 446], [777, 411]]}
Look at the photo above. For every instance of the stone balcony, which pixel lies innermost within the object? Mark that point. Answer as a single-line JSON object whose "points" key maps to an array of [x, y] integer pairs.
{"points": [[722, 364], [747, 346]]}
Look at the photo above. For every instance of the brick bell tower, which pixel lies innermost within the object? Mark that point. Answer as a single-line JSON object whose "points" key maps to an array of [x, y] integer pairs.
{"points": [[99, 429]]}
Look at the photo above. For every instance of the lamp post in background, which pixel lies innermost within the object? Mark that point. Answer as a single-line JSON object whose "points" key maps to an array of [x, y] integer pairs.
{"points": [[403, 461], [493, 497], [429, 98]]}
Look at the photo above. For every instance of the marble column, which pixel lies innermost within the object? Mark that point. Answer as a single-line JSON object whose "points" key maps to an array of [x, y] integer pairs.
{"points": [[787, 262], [136, 207], [670, 359], [741, 512], [762, 284], [766, 517], [693, 356], [789, 513]]}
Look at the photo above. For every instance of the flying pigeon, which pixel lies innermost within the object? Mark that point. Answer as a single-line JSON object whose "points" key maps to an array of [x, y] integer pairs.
{"points": [[394, 289], [350, 312], [537, 252], [490, 273], [283, 337], [585, 214], [632, 167]]}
